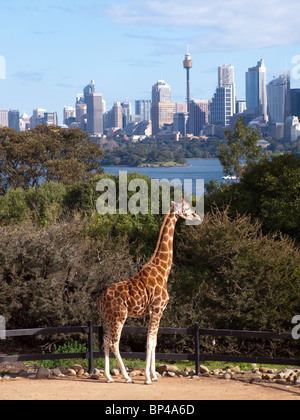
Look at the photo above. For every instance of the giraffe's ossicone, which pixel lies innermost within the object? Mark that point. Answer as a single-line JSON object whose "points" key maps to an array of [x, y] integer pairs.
{"points": [[145, 294]]}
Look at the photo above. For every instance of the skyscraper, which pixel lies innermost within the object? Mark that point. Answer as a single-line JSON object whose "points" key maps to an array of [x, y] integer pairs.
{"points": [[279, 99], [198, 115], [3, 118], [94, 113], [143, 108], [223, 105], [90, 88], [161, 92], [50, 118], [14, 119], [162, 109], [256, 90]]}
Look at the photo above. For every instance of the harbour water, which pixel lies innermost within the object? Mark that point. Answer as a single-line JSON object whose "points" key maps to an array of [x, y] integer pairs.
{"points": [[206, 169]]}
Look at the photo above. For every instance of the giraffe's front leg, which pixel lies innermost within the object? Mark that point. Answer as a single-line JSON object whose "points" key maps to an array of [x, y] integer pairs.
{"points": [[151, 346]]}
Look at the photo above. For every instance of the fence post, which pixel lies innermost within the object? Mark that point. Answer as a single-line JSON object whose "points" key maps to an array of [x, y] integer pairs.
{"points": [[91, 346], [197, 349]]}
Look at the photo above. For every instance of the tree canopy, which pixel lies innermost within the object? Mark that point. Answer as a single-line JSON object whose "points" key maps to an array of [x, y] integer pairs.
{"points": [[46, 154], [241, 145]]}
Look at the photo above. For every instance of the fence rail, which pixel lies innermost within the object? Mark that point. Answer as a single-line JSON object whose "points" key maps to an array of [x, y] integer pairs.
{"points": [[195, 331]]}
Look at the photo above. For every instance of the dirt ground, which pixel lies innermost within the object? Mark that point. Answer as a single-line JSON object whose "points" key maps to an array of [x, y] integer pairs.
{"points": [[200, 388]]}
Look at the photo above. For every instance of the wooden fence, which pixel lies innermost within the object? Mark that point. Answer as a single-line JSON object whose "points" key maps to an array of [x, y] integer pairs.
{"points": [[194, 331]]}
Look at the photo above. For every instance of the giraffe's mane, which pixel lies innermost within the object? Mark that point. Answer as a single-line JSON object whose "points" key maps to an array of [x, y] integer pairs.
{"points": [[159, 237]]}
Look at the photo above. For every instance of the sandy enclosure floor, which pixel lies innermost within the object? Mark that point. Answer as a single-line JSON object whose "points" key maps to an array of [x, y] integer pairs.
{"points": [[201, 388]]}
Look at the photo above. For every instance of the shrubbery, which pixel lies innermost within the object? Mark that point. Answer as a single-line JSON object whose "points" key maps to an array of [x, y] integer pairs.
{"points": [[237, 270]]}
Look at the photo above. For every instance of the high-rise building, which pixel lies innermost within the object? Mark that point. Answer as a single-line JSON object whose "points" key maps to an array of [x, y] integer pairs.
{"points": [[295, 102], [90, 88], [3, 118], [162, 109], [223, 104], [37, 117], [14, 119], [143, 109], [279, 99], [198, 115], [225, 75], [94, 113], [256, 90], [50, 118], [81, 115], [161, 92], [126, 113], [162, 113], [69, 115], [180, 120]]}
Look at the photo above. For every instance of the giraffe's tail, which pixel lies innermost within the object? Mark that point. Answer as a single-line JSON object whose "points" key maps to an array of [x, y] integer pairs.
{"points": [[100, 332]]}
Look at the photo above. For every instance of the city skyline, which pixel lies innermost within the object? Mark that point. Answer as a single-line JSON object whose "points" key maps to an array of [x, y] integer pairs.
{"points": [[52, 50]]}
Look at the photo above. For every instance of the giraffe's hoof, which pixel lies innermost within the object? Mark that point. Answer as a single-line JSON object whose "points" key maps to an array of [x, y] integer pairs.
{"points": [[154, 379], [110, 381], [129, 381], [148, 382]]}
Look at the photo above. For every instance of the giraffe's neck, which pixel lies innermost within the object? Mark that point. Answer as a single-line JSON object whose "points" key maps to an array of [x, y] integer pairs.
{"points": [[163, 254]]}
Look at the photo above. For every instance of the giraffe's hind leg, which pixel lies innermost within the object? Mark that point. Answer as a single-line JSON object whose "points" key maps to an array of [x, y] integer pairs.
{"points": [[106, 345], [115, 341]]}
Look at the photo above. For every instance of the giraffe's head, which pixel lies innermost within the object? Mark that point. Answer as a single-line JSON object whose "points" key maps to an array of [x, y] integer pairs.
{"points": [[183, 209]]}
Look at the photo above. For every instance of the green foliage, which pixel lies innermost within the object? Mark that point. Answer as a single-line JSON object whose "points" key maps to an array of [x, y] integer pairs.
{"points": [[241, 144], [232, 276], [269, 191], [46, 154], [54, 275], [152, 151]]}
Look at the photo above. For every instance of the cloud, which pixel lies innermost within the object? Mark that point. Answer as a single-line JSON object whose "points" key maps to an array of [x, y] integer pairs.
{"points": [[230, 25], [29, 76]]}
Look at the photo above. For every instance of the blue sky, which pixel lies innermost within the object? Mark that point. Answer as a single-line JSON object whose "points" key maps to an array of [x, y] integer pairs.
{"points": [[52, 49]]}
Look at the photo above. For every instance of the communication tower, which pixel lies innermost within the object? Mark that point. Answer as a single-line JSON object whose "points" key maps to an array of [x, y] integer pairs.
{"points": [[188, 64]]}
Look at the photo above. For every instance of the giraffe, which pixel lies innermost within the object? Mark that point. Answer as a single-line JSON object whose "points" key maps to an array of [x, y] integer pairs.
{"points": [[145, 294]]}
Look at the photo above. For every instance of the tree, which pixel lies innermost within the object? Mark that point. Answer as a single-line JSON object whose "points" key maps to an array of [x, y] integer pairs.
{"points": [[269, 190], [241, 145], [46, 154]]}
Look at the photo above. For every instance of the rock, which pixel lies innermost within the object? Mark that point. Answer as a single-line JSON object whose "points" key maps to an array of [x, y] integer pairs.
{"points": [[31, 376], [80, 372], [96, 371], [63, 370], [280, 381], [56, 372], [135, 373], [95, 376], [114, 372], [256, 378], [42, 373], [227, 375], [23, 373], [77, 367], [264, 369], [72, 372], [6, 377], [235, 369], [204, 369], [166, 368], [297, 379], [170, 373], [216, 372], [284, 374], [268, 376]]}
